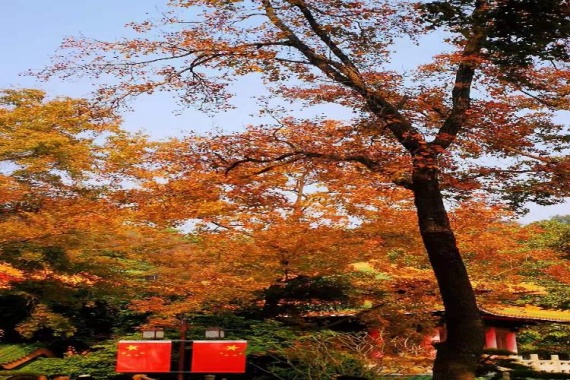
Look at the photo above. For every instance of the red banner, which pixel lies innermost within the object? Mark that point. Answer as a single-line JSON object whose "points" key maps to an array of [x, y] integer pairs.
{"points": [[144, 356], [218, 356]]}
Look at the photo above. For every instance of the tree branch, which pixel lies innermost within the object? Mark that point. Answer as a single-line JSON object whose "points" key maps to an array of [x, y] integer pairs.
{"points": [[461, 93], [345, 73], [316, 27]]}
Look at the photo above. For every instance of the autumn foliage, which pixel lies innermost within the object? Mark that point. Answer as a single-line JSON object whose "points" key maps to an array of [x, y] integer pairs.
{"points": [[443, 144]]}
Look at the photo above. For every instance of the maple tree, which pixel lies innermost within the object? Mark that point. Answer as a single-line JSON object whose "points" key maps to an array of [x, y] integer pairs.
{"points": [[481, 116], [248, 234]]}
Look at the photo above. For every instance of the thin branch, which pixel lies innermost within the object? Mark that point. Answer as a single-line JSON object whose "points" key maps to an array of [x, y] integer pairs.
{"points": [[343, 73], [327, 66], [544, 102], [149, 61], [317, 28], [288, 158]]}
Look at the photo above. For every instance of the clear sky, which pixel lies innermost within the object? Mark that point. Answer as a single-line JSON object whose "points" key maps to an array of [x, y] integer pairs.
{"points": [[31, 31]]}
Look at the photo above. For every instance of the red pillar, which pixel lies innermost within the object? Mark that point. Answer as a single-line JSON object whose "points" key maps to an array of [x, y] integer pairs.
{"points": [[429, 341], [490, 338], [511, 339], [378, 343]]}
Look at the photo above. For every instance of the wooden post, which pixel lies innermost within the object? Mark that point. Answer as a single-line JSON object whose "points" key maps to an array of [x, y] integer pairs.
{"points": [[181, 349], [490, 337]]}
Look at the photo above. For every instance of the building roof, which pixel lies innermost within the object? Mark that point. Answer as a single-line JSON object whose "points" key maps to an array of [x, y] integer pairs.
{"points": [[526, 313]]}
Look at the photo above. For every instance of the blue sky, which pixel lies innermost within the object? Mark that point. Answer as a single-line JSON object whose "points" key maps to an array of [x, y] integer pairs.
{"points": [[31, 31]]}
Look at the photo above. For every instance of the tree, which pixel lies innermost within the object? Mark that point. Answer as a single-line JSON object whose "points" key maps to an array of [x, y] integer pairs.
{"points": [[65, 242], [427, 130], [553, 235], [249, 234]]}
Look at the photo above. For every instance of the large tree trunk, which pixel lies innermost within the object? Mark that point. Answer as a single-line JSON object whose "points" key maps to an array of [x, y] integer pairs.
{"points": [[457, 357]]}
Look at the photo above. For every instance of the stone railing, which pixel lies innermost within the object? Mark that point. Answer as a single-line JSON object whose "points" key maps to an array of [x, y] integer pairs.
{"points": [[554, 364]]}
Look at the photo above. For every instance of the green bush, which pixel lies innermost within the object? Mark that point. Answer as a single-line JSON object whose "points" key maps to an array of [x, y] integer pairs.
{"points": [[99, 363]]}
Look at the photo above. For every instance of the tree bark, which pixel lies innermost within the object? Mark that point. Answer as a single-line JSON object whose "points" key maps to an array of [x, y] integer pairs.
{"points": [[457, 357]]}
